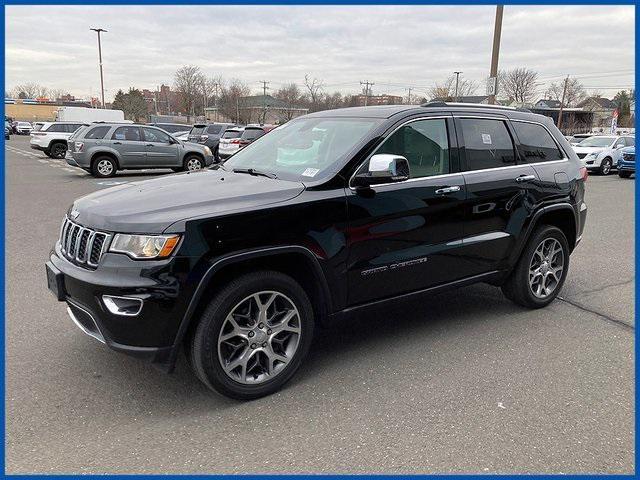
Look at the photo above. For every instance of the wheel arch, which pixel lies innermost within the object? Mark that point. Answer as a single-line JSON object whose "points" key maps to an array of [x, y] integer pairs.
{"points": [[561, 215], [296, 261], [104, 153], [58, 140]]}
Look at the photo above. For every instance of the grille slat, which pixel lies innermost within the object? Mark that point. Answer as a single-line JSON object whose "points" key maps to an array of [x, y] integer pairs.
{"points": [[81, 245]]}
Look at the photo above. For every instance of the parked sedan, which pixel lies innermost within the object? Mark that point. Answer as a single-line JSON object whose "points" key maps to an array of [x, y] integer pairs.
{"points": [[602, 153], [102, 149], [627, 162], [23, 128]]}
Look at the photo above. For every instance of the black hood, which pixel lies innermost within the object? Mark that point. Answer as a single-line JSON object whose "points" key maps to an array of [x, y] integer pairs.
{"points": [[153, 205]]}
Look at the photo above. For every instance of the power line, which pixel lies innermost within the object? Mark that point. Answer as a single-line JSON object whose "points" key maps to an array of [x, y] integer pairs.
{"points": [[367, 83]]}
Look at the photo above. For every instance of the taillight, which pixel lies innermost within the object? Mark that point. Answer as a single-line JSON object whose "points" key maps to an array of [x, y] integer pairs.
{"points": [[584, 173], [235, 141], [203, 138], [244, 142], [79, 146]]}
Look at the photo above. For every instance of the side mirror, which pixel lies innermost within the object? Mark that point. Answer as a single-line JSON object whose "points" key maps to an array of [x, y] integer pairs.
{"points": [[383, 168]]}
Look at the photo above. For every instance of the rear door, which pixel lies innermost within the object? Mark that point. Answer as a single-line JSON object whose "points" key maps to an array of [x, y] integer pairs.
{"points": [[128, 142], [405, 236], [161, 151], [500, 191]]}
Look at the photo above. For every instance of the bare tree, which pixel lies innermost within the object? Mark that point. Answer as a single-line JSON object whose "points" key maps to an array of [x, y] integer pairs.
{"points": [[519, 84], [447, 90], [188, 83], [574, 95], [30, 90], [230, 101], [315, 91], [291, 96]]}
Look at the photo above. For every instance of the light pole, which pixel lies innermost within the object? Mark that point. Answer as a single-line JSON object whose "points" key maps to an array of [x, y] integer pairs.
{"points": [[457, 77], [98, 31], [495, 51]]}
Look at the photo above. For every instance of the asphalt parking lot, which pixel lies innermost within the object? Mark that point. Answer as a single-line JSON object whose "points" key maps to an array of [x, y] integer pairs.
{"points": [[465, 382]]}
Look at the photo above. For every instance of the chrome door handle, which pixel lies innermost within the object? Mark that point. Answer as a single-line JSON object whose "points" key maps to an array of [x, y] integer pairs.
{"points": [[444, 190], [149, 144], [117, 143], [525, 178]]}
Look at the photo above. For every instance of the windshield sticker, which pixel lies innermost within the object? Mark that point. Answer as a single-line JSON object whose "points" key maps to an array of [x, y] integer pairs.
{"points": [[486, 138], [310, 172]]}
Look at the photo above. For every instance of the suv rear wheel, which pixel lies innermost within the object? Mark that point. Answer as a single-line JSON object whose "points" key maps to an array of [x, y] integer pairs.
{"points": [[253, 336], [104, 167], [57, 150], [540, 273]]}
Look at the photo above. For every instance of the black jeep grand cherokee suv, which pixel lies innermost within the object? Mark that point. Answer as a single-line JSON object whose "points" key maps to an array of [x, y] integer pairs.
{"points": [[331, 213]]}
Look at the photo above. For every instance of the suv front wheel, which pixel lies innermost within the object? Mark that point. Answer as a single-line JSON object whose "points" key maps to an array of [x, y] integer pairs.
{"points": [[540, 273], [253, 336], [104, 167]]}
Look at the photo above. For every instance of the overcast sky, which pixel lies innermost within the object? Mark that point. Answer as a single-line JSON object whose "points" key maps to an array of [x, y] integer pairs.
{"points": [[393, 46]]}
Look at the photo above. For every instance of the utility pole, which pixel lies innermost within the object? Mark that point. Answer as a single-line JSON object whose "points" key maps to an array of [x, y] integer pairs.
{"points": [[237, 109], [264, 99], [215, 100], [564, 94], [367, 84], [98, 31], [457, 78], [495, 52], [409, 95]]}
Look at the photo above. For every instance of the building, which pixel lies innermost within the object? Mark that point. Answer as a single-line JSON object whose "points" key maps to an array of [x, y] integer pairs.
{"points": [[547, 103], [574, 120], [362, 100], [483, 99], [602, 109]]}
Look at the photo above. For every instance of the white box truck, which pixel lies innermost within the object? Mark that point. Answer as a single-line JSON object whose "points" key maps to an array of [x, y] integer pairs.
{"points": [[88, 115]]}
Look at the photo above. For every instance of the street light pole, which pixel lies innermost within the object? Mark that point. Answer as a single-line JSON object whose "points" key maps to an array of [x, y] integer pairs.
{"points": [[495, 52], [98, 31], [457, 77]]}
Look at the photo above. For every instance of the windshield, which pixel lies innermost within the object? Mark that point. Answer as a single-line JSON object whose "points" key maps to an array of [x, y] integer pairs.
{"points": [[596, 142], [197, 130], [304, 149]]}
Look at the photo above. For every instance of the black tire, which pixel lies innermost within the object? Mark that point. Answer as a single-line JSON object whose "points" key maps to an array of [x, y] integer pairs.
{"points": [[605, 166], [98, 172], [516, 288], [58, 150], [204, 342], [192, 158], [624, 174]]}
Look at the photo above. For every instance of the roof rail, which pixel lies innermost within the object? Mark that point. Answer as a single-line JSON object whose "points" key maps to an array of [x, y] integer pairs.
{"points": [[438, 103]]}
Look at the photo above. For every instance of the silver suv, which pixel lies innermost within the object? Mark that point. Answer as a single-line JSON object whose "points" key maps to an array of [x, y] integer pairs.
{"points": [[104, 148]]}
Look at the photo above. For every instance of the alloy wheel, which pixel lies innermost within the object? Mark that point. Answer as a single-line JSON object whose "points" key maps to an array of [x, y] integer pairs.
{"points": [[546, 267], [259, 337], [105, 167], [194, 164]]}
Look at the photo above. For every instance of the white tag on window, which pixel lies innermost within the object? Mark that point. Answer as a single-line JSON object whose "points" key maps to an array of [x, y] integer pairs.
{"points": [[486, 138], [310, 172]]}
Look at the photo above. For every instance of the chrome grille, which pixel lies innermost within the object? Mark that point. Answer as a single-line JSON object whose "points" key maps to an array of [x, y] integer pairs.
{"points": [[82, 245]]}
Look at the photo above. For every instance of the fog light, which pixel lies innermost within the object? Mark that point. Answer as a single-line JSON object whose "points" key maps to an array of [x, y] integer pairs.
{"points": [[127, 306]]}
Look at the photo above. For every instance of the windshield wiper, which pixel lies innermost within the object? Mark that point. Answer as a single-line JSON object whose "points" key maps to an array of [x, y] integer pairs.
{"points": [[254, 172]]}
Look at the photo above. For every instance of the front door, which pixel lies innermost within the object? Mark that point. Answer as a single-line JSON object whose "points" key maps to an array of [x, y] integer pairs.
{"points": [[161, 150], [404, 236], [501, 192], [127, 141]]}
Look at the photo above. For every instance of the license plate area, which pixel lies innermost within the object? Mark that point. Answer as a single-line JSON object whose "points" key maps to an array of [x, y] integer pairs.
{"points": [[55, 281]]}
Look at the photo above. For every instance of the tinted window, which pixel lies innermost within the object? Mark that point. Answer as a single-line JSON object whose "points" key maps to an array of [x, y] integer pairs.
{"points": [[232, 134], [630, 141], [536, 143], [127, 133], [97, 132], [424, 144], [252, 133], [197, 131], [214, 129], [487, 144], [173, 128], [56, 127], [153, 135]]}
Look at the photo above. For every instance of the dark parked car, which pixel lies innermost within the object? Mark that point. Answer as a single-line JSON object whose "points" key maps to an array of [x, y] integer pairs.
{"points": [[333, 213], [104, 148], [627, 162], [209, 134], [172, 127]]}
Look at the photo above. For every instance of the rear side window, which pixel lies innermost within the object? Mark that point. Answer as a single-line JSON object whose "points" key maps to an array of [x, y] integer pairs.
{"points": [[127, 133], [214, 129], [197, 131], [630, 141], [487, 143], [37, 126], [252, 133], [536, 143], [97, 132], [57, 127], [72, 127]]}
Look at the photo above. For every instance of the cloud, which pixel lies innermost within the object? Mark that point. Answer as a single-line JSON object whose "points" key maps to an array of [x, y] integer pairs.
{"points": [[393, 46]]}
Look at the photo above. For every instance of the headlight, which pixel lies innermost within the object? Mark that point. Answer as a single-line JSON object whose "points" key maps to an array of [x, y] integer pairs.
{"points": [[207, 150], [144, 246]]}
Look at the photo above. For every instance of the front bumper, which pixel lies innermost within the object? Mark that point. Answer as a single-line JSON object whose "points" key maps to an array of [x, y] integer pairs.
{"points": [[626, 166], [149, 334]]}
